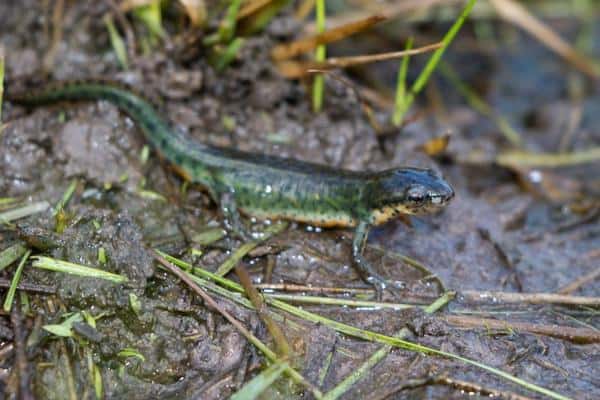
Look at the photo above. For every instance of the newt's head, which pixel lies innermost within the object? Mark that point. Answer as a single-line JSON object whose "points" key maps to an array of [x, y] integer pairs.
{"points": [[408, 191]]}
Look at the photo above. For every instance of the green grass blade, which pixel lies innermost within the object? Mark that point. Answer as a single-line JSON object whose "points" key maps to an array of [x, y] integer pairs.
{"points": [[227, 28], [320, 54], [130, 352], [260, 382], [11, 254], [66, 197], [151, 15], [117, 42], [15, 281], [65, 328], [435, 58], [208, 236], [22, 212], [53, 264], [229, 54]]}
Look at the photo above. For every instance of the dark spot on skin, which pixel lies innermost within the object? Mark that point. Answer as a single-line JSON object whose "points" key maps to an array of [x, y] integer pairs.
{"points": [[150, 125]]}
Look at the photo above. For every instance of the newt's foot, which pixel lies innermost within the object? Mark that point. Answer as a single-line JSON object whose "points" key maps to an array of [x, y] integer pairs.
{"points": [[381, 285], [238, 230], [232, 219]]}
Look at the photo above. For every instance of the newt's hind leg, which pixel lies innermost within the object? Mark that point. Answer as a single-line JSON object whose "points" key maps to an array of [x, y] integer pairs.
{"points": [[365, 268], [231, 217]]}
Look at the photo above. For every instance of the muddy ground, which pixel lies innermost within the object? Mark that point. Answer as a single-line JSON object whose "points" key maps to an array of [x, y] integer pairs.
{"points": [[505, 231]]}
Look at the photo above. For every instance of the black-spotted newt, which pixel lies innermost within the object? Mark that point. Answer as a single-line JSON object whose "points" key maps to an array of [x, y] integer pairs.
{"points": [[266, 186]]}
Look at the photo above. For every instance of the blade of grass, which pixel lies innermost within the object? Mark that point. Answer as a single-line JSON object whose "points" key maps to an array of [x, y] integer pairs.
{"points": [[226, 29], [401, 86], [15, 281], [320, 54], [208, 236], [435, 58], [252, 389], [59, 213], [229, 54], [94, 374], [131, 352], [64, 329], [11, 254], [5, 201], [22, 212], [66, 197], [53, 264], [516, 159], [151, 15], [117, 42]]}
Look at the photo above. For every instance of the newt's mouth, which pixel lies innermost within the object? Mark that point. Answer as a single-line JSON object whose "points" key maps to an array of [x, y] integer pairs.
{"points": [[440, 199]]}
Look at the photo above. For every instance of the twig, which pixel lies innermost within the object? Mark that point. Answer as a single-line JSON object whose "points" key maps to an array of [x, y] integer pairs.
{"points": [[288, 50], [290, 287], [530, 298], [29, 287], [283, 348], [295, 69], [576, 335], [577, 283]]}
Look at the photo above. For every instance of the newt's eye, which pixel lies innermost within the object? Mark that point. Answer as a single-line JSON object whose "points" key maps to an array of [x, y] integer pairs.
{"points": [[416, 194]]}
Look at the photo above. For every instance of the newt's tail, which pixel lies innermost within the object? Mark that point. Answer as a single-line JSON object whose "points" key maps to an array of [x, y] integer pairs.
{"points": [[157, 130]]}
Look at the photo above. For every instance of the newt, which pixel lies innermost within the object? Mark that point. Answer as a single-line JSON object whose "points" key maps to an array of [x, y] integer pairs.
{"points": [[268, 186]]}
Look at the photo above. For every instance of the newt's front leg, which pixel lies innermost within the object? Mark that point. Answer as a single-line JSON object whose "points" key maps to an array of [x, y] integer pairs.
{"points": [[365, 268]]}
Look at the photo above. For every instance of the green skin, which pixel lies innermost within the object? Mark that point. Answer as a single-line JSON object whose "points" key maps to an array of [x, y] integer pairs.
{"points": [[270, 187]]}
